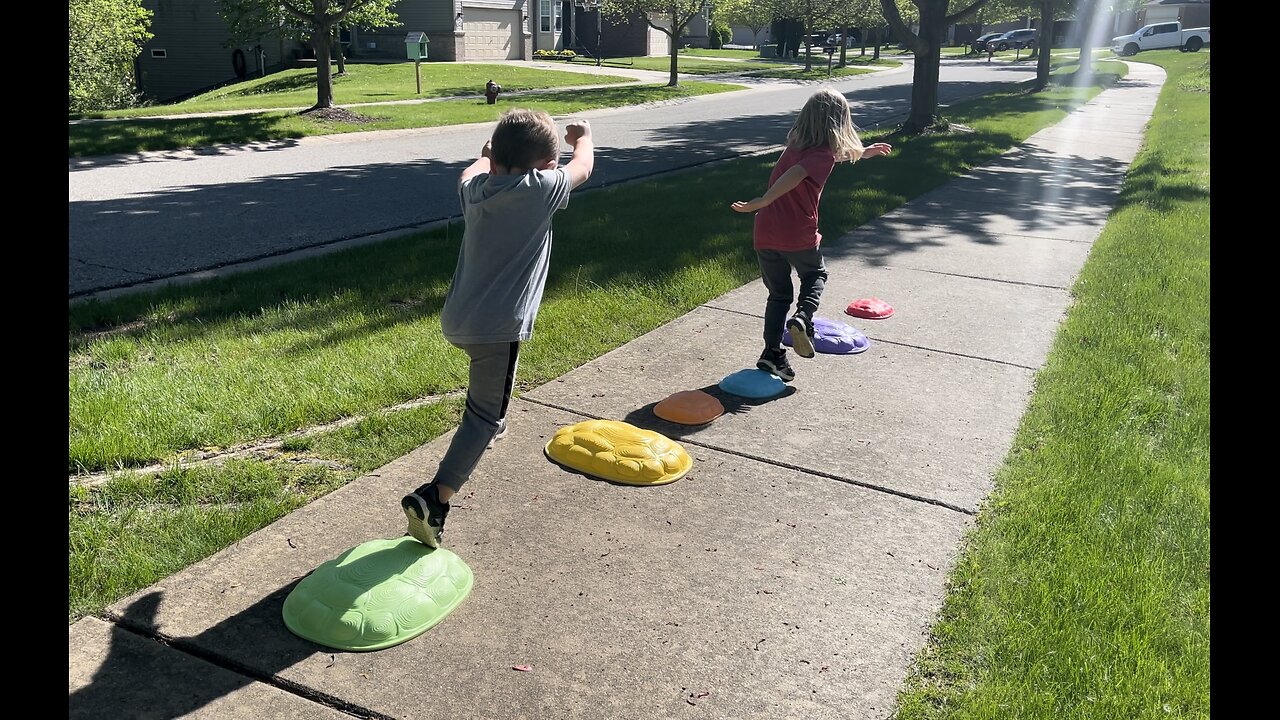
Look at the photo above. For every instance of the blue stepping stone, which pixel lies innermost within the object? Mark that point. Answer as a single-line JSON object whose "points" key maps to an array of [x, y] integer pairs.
{"points": [[755, 384]]}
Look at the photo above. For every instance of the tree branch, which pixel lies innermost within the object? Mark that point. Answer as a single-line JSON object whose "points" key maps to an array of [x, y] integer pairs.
{"points": [[668, 33], [351, 5], [891, 14], [955, 17], [296, 13]]}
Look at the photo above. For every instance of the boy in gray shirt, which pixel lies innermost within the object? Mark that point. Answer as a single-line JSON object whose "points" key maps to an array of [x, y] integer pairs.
{"points": [[508, 197]]}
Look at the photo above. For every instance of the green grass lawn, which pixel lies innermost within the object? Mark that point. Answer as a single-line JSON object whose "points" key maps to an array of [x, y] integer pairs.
{"points": [[819, 72], [737, 54], [1084, 591], [122, 136], [696, 65], [368, 83], [260, 354]]}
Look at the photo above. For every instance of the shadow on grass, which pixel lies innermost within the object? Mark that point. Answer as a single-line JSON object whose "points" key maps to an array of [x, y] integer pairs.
{"points": [[264, 130]]}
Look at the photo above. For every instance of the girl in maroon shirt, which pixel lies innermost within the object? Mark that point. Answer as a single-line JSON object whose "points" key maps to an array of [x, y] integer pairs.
{"points": [[786, 233]]}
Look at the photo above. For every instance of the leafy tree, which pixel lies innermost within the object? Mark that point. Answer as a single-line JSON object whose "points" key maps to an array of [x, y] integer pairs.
{"points": [[755, 15], [104, 37], [926, 44], [677, 13], [314, 21]]}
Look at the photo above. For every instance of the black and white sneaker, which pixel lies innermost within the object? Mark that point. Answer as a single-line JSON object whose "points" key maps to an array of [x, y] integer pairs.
{"points": [[426, 515], [502, 432], [775, 361], [801, 330]]}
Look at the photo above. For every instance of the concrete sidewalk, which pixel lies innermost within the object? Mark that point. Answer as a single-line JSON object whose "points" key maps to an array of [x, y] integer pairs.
{"points": [[793, 573]]}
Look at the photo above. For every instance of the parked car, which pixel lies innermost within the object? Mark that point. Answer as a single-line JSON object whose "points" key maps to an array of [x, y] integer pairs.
{"points": [[1161, 35], [833, 37], [980, 45], [1014, 40]]}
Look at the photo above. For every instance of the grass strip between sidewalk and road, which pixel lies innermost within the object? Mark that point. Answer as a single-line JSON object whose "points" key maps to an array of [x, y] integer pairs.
{"points": [[125, 136], [1084, 591], [260, 354], [365, 83]]}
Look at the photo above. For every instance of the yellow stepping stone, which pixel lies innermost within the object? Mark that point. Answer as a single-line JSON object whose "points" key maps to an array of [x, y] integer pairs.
{"points": [[619, 452]]}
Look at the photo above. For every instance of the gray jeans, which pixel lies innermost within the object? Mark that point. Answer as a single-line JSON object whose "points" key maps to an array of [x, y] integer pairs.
{"points": [[492, 376], [775, 270]]}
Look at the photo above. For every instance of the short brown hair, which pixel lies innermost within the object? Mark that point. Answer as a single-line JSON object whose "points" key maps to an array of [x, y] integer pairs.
{"points": [[524, 139]]}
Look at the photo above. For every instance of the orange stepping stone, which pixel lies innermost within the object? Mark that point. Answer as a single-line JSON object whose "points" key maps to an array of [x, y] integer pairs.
{"points": [[689, 407]]}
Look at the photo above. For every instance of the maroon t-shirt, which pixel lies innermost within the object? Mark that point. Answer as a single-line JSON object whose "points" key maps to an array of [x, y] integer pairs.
{"points": [[791, 222]]}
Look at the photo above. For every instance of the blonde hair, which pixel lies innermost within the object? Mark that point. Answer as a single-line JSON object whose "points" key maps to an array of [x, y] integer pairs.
{"points": [[825, 121], [524, 139]]}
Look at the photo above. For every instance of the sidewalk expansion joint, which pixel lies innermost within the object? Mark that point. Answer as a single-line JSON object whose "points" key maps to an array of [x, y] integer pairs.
{"points": [[778, 463], [994, 234], [899, 344], [277, 682], [978, 277]]}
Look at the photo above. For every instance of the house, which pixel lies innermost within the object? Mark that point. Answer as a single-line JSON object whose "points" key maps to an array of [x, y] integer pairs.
{"points": [[588, 31], [1191, 13], [191, 50]]}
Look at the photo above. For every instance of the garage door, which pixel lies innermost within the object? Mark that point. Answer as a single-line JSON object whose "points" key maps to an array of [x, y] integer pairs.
{"points": [[493, 34]]}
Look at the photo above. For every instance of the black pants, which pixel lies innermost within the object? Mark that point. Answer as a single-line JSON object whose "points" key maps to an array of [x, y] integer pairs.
{"points": [[492, 378], [775, 270]]}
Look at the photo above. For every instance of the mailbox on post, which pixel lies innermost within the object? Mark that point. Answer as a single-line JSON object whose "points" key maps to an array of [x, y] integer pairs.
{"points": [[415, 46]]}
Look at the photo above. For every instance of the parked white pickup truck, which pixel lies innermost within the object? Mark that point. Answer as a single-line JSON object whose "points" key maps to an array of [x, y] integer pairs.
{"points": [[1161, 35]]}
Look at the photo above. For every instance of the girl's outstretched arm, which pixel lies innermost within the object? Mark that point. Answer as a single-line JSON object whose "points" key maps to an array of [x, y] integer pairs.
{"points": [[785, 184], [876, 150]]}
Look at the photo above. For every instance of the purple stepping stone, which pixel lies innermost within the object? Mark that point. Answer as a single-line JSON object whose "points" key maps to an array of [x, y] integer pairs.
{"points": [[834, 338]]}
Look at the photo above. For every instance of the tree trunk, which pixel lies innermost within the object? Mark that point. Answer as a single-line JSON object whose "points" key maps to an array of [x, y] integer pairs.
{"points": [[924, 91], [675, 57], [1044, 43], [863, 32], [844, 42], [808, 45], [1086, 36], [924, 83], [324, 74], [337, 49], [876, 56]]}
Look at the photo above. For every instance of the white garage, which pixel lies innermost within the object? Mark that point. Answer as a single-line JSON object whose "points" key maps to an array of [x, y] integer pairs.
{"points": [[492, 34]]}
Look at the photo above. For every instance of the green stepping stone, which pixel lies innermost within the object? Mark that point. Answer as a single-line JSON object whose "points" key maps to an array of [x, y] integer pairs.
{"points": [[378, 594]]}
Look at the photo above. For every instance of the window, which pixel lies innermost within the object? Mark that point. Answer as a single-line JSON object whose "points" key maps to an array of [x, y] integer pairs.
{"points": [[557, 11], [544, 13], [1167, 28], [159, 53]]}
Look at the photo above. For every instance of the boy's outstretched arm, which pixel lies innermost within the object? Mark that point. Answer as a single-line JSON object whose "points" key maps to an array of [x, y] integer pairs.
{"points": [[785, 184], [578, 135], [482, 165]]}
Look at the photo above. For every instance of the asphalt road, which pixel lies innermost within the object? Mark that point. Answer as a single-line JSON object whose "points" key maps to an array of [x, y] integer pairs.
{"points": [[134, 218]]}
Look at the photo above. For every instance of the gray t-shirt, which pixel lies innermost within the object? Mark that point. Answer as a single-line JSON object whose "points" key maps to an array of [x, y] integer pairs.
{"points": [[502, 266]]}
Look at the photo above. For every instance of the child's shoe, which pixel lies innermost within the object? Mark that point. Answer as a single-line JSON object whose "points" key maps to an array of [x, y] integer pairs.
{"points": [[801, 329], [426, 515], [775, 361], [502, 432]]}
